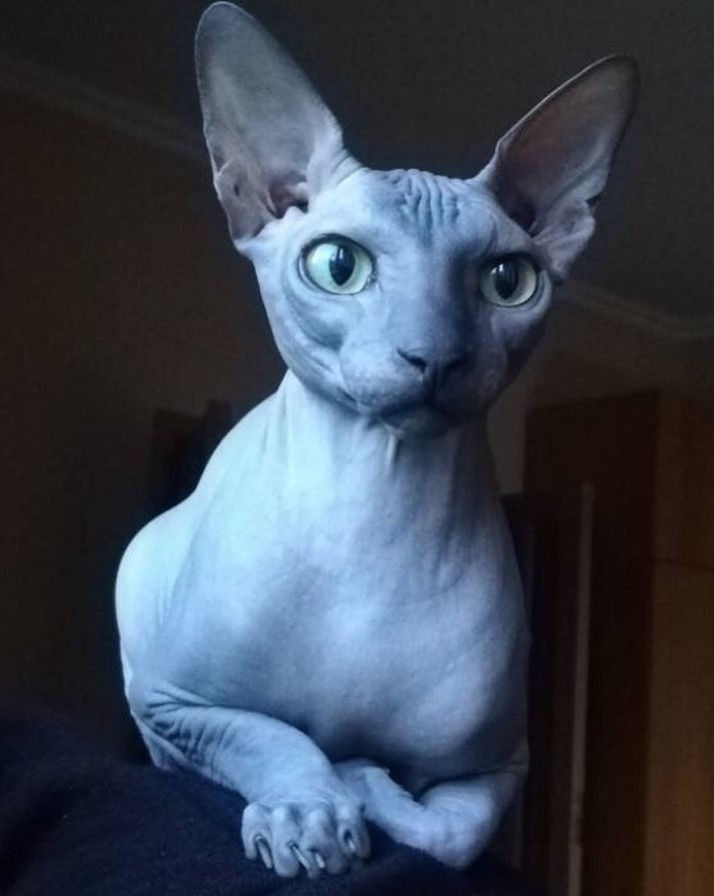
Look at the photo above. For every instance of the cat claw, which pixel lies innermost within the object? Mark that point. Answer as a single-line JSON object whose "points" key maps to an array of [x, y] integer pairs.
{"points": [[300, 856], [261, 844], [350, 843], [319, 861]]}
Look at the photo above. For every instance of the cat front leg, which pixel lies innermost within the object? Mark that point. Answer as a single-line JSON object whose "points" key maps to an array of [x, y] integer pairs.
{"points": [[299, 813], [452, 821]]}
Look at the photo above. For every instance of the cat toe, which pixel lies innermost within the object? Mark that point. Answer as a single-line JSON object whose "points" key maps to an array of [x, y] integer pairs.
{"points": [[316, 838]]}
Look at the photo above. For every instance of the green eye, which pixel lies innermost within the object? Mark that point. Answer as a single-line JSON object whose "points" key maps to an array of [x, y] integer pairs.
{"points": [[509, 280], [338, 266]]}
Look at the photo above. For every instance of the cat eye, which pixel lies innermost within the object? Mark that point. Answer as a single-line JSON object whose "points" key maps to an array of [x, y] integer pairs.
{"points": [[510, 280], [338, 265]]}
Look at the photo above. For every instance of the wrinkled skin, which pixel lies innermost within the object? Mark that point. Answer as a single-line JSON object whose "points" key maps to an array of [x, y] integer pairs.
{"points": [[332, 623]]}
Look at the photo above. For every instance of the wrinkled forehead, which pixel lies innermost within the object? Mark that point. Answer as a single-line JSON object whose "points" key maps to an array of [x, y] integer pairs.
{"points": [[423, 208]]}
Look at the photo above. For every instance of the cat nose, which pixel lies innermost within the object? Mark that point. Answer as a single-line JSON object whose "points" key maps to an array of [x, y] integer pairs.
{"points": [[433, 371]]}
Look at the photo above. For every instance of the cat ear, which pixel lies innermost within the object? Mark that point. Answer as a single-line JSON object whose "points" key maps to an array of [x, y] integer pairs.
{"points": [[549, 171], [272, 141]]}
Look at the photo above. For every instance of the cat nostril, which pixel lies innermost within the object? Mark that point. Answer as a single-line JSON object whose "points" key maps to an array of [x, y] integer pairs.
{"points": [[434, 372], [414, 359], [456, 364]]}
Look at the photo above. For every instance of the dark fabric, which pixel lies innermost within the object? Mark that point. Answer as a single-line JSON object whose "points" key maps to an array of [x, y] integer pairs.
{"points": [[77, 822]]}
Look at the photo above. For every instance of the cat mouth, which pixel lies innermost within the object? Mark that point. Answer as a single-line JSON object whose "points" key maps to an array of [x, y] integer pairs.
{"points": [[425, 420]]}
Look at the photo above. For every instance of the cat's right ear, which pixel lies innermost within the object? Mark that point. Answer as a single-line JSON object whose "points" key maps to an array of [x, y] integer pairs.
{"points": [[272, 141], [549, 171]]}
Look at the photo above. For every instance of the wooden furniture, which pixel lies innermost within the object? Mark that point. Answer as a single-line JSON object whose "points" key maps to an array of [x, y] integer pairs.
{"points": [[648, 820]]}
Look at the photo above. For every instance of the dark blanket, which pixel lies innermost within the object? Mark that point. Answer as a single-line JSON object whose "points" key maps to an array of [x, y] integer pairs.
{"points": [[77, 822]]}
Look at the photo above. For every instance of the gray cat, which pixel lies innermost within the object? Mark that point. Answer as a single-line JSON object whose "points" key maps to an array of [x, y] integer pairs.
{"points": [[332, 623]]}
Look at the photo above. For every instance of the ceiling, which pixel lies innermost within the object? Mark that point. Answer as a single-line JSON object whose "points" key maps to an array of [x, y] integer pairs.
{"points": [[421, 83]]}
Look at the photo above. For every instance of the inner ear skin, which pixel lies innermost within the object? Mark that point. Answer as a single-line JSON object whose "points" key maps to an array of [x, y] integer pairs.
{"points": [[523, 213], [288, 192]]}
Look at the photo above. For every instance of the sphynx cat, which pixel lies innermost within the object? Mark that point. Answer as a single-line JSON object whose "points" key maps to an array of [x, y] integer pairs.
{"points": [[332, 623]]}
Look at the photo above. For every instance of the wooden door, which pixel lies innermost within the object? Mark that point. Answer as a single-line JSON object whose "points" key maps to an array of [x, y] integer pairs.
{"points": [[552, 536]]}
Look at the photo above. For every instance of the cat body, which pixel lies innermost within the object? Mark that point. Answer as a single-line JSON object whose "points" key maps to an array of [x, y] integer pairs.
{"points": [[332, 623], [411, 653]]}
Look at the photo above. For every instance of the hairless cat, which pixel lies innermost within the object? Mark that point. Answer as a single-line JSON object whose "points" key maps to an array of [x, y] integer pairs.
{"points": [[332, 623]]}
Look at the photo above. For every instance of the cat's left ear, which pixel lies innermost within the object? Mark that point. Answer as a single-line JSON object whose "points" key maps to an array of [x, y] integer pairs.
{"points": [[273, 143], [549, 171]]}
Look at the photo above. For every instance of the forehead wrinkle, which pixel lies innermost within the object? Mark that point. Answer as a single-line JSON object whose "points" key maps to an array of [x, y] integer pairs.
{"points": [[428, 206], [422, 203]]}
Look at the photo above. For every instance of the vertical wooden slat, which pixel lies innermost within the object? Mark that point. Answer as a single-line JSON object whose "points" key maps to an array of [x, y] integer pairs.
{"points": [[680, 766], [552, 540]]}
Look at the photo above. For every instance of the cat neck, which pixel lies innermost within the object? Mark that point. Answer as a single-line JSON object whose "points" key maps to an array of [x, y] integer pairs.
{"points": [[325, 441]]}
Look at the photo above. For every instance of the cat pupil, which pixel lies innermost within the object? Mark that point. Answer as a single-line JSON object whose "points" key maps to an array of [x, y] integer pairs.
{"points": [[505, 276], [342, 265]]}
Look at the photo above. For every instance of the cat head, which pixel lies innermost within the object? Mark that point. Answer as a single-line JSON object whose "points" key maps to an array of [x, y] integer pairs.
{"points": [[407, 296]]}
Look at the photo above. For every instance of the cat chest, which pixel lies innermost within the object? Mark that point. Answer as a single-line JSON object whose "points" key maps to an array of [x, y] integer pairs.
{"points": [[419, 684], [392, 637]]}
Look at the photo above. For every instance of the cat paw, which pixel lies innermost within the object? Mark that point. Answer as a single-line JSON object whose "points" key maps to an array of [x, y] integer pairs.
{"points": [[321, 836]]}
